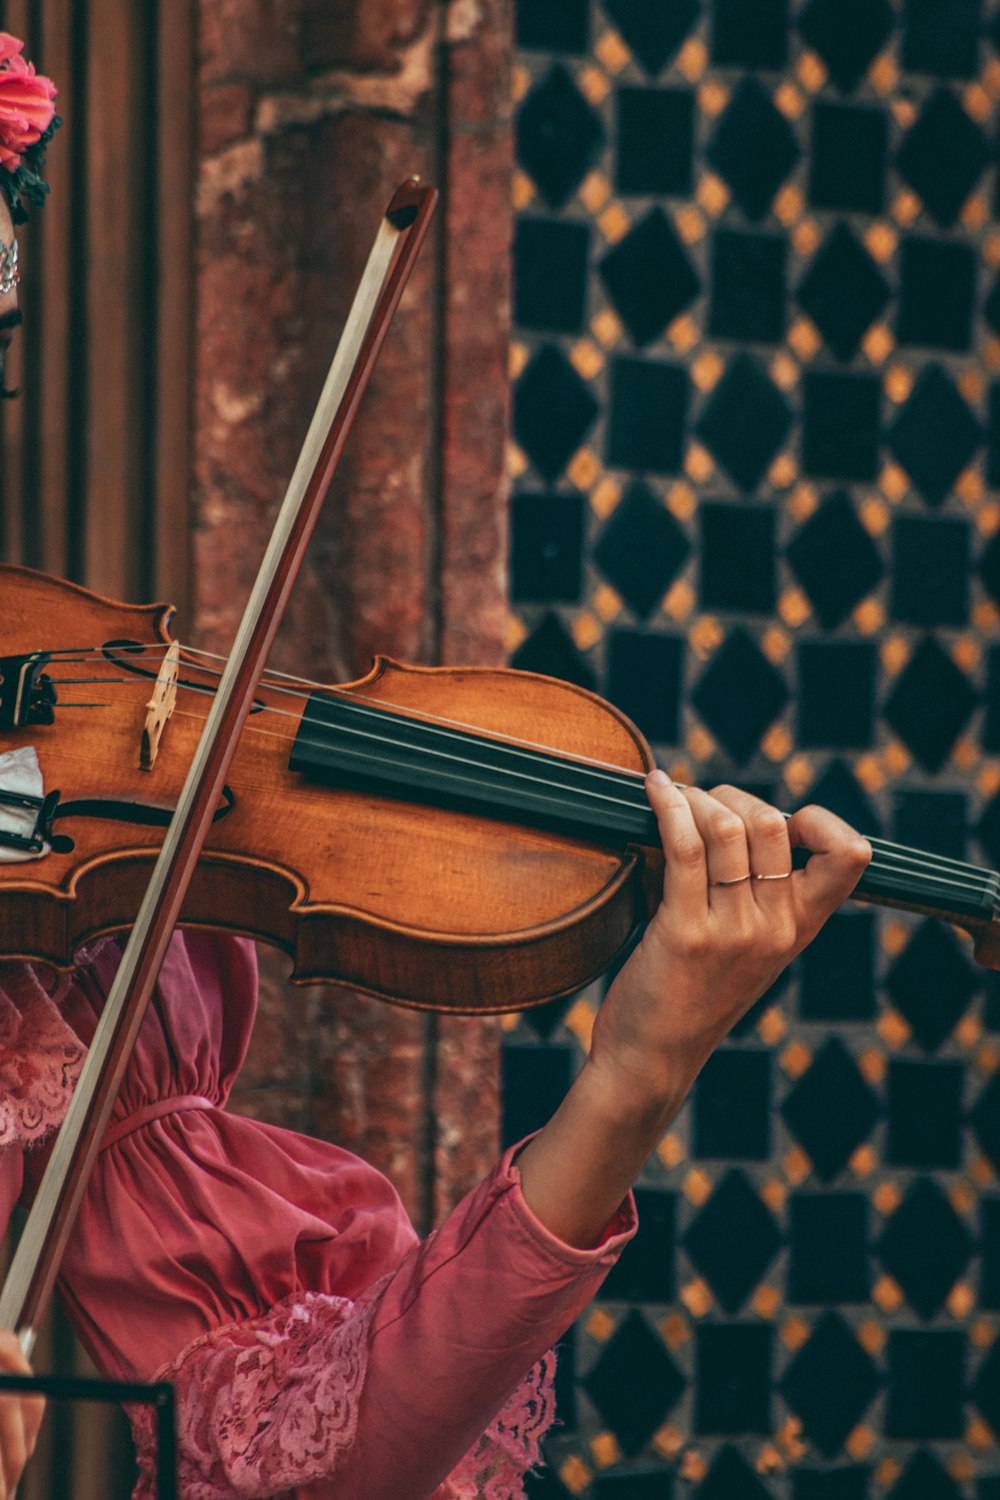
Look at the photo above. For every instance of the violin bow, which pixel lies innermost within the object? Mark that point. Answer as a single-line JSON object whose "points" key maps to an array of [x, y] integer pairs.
{"points": [[35, 1265]]}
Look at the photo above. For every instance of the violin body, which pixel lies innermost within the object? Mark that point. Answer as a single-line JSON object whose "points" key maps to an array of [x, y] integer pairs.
{"points": [[432, 907]]}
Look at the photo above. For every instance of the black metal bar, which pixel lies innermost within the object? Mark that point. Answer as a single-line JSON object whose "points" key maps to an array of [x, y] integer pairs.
{"points": [[85, 1388]]}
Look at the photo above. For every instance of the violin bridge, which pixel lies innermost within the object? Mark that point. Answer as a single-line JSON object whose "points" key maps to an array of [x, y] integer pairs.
{"points": [[160, 707]]}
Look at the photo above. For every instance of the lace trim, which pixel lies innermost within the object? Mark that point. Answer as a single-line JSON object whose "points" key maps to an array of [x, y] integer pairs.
{"points": [[40, 1058], [263, 1406], [271, 1404], [494, 1468]]}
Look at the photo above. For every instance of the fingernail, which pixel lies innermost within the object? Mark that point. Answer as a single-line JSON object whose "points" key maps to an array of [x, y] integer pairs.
{"points": [[658, 778]]}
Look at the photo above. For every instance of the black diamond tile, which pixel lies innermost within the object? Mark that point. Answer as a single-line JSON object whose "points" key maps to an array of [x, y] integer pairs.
{"points": [[745, 421], [644, 679], [932, 821], [559, 136], [648, 277], [831, 1110], [837, 789], [732, 1106], [926, 1247], [543, 1484], [924, 1478], [557, 26], [991, 719], [647, 415], [650, 1484], [731, 1478], [553, 411], [546, 548], [985, 1388], [739, 696], [737, 562], [847, 34], [748, 286], [654, 141], [750, 33], [932, 983], [544, 1019], [989, 1246], [835, 703], [641, 549], [943, 157], [925, 1384], [985, 1120], [645, 1270], [550, 274], [930, 570], [840, 424], [848, 1482], [935, 434], [829, 1248], [654, 31], [548, 649], [988, 830], [847, 161], [830, 1384], [535, 1081], [733, 1378], [838, 970], [988, 567], [752, 148], [835, 560], [941, 39], [924, 1108], [937, 290], [732, 1241], [635, 1384], [843, 292], [930, 704], [993, 435]]}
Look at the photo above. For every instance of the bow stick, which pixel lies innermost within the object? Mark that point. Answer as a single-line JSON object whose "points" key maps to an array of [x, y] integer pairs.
{"points": [[35, 1264]]}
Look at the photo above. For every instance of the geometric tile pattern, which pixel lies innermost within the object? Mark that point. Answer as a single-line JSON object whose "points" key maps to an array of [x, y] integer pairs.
{"points": [[755, 473]]}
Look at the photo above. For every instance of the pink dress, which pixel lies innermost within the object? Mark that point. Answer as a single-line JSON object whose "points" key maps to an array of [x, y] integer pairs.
{"points": [[318, 1349]]}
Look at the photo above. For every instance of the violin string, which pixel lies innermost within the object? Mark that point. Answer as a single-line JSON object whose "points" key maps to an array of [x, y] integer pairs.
{"points": [[893, 859]]}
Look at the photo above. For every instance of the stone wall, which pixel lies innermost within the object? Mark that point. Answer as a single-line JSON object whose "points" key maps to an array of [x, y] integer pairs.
{"points": [[310, 114]]}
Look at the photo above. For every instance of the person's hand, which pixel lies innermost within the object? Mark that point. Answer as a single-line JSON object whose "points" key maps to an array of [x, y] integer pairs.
{"points": [[732, 916], [20, 1418]]}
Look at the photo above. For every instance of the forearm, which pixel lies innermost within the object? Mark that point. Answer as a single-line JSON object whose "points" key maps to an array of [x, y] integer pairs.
{"points": [[578, 1169]]}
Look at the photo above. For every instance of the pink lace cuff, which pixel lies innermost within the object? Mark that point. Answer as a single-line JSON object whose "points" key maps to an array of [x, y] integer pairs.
{"points": [[40, 1058], [495, 1467], [265, 1405], [271, 1404]]}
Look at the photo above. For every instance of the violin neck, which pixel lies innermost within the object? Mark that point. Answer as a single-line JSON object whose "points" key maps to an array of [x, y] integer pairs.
{"points": [[348, 742]]}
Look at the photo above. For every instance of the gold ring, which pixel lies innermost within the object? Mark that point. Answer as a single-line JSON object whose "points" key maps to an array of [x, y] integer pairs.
{"points": [[738, 881], [786, 876]]}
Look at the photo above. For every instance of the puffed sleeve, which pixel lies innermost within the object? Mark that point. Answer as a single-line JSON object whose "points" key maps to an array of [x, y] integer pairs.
{"points": [[434, 1385]]}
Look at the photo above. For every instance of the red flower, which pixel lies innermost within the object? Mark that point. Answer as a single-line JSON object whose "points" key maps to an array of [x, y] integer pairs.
{"points": [[26, 103]]}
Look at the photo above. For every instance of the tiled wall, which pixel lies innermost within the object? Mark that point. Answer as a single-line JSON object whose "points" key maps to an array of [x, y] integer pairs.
{"points": [[756, 376]]}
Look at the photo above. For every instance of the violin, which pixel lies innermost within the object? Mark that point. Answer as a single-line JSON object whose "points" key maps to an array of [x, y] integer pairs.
{"points": [[468, 839]]}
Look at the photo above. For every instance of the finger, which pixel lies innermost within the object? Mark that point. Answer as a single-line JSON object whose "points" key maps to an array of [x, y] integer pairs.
{"points": [[685, 878], [725, 838], [838, 858], [20, 1418], [767, 838]]}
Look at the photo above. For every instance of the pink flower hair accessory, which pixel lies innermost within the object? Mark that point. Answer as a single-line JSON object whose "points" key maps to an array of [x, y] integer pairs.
{"points": [[28, 121]]}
